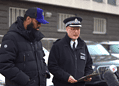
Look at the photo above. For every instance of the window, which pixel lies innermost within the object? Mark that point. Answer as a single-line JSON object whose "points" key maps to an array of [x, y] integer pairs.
{"points": [[114, 48], [112, 2], [97, 49], [14, 13], [61, 25], [98, 0], [99, 26]]}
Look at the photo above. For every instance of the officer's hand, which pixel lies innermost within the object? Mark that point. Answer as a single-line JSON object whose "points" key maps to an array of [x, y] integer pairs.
{"points": [[88, 79], [71, 79]]}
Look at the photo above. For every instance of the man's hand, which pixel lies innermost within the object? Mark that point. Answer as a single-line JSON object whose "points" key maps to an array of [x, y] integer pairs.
{"points": [[71, 79], [88, 79]]}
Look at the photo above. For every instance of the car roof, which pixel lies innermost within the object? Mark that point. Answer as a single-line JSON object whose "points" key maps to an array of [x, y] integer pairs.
{"points": [[90, 42], [113, 62], [109, 42]]}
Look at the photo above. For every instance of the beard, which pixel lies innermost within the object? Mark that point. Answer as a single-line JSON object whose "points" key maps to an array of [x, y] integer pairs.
{"points": [[32, 32]]}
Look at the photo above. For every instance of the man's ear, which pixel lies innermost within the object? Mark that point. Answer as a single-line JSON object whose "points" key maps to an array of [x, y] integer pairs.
{"points": [[67, 28], [28, 19]]}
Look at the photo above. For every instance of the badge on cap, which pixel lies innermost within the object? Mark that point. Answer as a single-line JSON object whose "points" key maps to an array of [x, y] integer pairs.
{"points": [[73, 22], [76, 20]]}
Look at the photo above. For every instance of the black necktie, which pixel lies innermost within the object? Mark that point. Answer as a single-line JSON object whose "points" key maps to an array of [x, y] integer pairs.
{"points": [[74, 46]]}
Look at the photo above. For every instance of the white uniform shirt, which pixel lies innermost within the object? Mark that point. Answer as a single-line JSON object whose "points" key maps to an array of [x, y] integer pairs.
{"points": [[71, 43]]}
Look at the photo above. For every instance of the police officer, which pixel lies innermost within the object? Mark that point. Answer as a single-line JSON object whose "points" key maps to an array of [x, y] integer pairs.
{"points": [[69, 58]]}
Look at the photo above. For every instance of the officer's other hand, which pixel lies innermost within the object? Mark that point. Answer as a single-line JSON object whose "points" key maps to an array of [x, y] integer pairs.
{"points": [[71, 79], [47, 75], [88, 79]]}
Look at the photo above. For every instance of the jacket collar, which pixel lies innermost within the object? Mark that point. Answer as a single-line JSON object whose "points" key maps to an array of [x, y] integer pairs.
{"points": [[18, 27], [67, 41]]}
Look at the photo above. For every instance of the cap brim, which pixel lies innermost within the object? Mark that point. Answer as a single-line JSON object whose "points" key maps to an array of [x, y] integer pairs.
{"points": [[75, 25], [42, 21]]}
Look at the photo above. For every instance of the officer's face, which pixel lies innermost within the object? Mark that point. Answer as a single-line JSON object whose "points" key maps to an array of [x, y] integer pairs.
{"points": [[73, 32]]}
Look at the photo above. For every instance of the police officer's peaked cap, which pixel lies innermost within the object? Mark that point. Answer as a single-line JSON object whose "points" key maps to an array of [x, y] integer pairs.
{"points": [[73, 22]]}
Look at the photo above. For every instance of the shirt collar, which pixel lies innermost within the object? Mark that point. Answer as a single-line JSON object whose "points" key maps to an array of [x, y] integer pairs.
{"points": [[71, 43]]}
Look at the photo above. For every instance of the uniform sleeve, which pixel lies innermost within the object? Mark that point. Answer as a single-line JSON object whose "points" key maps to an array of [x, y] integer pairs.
{"points": [[8, 54], [53, 65], [88, 67]]}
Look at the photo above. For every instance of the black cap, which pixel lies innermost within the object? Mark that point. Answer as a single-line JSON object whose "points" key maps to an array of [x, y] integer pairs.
{"points": [[73, 21], [32, 12], [36, 13]]}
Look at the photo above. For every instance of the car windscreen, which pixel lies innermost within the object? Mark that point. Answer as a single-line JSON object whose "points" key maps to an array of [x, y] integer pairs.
{"points": [[114, 48], [97, 49]]}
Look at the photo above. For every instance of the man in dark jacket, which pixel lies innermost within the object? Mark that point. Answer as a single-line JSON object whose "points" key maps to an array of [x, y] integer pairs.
{"points": [[69, 58], [21, 53]]}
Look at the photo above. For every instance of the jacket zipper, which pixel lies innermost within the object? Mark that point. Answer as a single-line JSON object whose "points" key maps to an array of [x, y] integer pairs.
{"points": [[75, 62], [24, 58], [24, 61], [34, 50]]}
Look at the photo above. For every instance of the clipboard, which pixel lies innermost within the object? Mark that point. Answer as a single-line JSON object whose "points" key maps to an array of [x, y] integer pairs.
{"points": [[85, 77]]}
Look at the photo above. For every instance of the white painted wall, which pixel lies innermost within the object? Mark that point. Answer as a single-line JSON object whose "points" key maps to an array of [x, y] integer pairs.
{"points": [[84, 4]]}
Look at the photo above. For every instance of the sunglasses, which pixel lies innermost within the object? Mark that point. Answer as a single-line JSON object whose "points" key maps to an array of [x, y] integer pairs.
{"points": [[39, 23]]}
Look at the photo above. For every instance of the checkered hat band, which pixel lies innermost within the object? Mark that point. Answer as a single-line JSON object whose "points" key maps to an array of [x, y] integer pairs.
{"points": [[72, 22], [75, 25]]}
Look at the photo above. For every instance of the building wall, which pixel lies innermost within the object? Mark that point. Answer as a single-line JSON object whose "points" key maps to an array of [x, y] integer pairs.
{"points": [[92, 5], [3, 19], [50, 30], [87, 24]]}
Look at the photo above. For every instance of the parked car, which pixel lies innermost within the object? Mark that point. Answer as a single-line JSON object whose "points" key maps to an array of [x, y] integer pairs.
{"points": [[112, 47], [99, 52], [101, 67], [101, 60]]}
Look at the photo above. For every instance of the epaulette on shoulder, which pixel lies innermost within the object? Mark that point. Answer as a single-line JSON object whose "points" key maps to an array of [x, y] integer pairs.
{"points": [[56, 41]]}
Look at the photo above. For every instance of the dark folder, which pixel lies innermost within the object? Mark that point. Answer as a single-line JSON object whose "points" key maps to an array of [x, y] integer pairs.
{"points": [[88, 76]]}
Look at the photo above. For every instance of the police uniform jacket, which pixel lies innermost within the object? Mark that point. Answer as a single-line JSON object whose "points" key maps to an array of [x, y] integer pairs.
{"points": [[63, 62], [21, 59]]}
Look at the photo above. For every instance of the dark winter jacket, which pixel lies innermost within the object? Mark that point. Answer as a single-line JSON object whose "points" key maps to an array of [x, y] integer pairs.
{"points": [[21, 59], [63, 62]]}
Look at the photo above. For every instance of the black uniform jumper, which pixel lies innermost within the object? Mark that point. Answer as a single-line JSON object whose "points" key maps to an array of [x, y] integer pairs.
{"points": [[64, 61]]}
